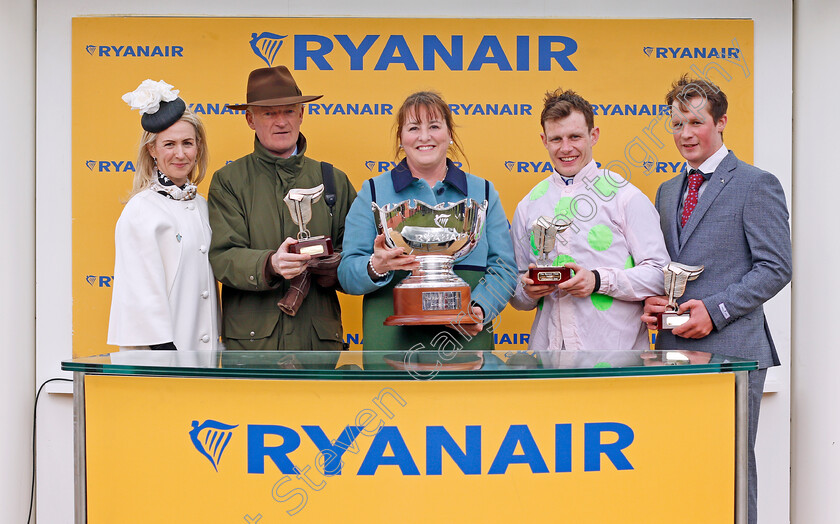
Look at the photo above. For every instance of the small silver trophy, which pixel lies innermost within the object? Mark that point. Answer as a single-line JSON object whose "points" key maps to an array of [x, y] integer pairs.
{"points": [[544, 231], [299, 201], [438, 235], [676, 277]]}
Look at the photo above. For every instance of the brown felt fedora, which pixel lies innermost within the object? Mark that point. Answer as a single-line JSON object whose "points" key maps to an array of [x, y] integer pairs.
{"points": [[273, 86]]}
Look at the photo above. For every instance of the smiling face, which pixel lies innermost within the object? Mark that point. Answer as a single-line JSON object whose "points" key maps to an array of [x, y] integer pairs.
{"points": [[425, 139], [277, 127], [175, 149], [696, 134], [569, 142]]}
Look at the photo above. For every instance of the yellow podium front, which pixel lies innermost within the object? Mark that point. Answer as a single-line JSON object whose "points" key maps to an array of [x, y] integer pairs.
{"points": [[612, 437]]}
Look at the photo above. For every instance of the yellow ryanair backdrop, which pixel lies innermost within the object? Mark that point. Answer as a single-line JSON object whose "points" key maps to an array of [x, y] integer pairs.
{"points": [[492, 72], [653, 450]]}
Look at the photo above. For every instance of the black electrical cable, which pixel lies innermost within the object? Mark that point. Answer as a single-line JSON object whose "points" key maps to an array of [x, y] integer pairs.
{"points": [[34, 425]]}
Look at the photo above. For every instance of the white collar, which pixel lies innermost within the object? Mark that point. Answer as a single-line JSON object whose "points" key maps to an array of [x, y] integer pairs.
{"points": [[590, 168], [712, 163]]}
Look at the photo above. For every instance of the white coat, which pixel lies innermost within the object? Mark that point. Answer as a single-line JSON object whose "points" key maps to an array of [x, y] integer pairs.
{"points": [[164, 289]]}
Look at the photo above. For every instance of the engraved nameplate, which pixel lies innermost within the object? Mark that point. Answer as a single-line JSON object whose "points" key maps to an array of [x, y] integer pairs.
{"points": [[312, 250], [441, 300], [672, 321], [552, 276]]}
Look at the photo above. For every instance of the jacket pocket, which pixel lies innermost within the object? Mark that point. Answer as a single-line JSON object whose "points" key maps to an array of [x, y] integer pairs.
{"points": [[726, 220], [249, 326], [329, 332]]}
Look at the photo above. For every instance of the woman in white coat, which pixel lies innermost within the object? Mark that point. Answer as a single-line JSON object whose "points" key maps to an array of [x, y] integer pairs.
{"points": [[164, 294]]}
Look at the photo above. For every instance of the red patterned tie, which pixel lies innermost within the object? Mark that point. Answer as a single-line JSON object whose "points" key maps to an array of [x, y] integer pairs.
{"points": [[695, 180]]}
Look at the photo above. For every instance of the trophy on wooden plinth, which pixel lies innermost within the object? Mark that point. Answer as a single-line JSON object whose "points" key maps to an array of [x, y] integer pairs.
{"points": [[299, 202], [676, 277], [544, 231], [438, 235]]}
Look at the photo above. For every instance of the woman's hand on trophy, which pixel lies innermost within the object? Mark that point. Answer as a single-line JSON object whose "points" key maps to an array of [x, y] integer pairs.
{"points": [[474, 329], [288, 265], [387, 259], [536, 291]]}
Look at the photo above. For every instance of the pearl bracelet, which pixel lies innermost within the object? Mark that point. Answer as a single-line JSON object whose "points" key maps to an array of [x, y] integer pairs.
{"points": [[374, 271]]}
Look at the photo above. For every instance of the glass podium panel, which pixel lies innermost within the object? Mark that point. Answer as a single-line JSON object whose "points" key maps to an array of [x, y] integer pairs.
{"points": [[406, 365]]}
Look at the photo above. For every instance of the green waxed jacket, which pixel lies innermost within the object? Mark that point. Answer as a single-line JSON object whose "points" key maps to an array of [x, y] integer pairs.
{"points": [[249, 221]]}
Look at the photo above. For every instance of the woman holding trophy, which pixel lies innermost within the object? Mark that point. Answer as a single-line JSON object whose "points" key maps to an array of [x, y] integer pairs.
{"points": [[164, 294], [427, 206]]}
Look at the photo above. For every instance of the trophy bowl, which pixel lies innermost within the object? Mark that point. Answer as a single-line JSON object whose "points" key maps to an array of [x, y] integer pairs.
{"points": [[438, 235]]}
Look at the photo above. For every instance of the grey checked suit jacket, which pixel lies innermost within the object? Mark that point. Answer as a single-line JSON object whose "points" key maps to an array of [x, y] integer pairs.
{"points": [[739, 231]]}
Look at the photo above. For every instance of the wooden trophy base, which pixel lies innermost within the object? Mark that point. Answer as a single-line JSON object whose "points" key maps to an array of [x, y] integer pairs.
{"points": [[670, 320], [430, 306], [549, 275], [320, 246]]}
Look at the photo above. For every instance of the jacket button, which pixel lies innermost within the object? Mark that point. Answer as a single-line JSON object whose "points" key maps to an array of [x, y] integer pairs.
{"points": [[205, 294], [251, 278], [205, 338], [252, 333], [203, 248]]}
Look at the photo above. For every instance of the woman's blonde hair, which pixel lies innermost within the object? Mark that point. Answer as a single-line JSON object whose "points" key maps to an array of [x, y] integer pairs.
{"points": [[145, 174]]}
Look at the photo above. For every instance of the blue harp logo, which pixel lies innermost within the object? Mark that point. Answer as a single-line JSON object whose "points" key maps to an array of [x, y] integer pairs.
{"points": [[266, 45], [210, 439]]}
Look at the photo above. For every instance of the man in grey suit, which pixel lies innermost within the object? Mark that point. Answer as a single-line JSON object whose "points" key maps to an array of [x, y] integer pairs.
{"points": [[730, 217]]}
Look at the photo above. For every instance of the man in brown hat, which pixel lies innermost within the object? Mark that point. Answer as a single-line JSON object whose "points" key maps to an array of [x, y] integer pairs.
{"points": [[272, 297]]}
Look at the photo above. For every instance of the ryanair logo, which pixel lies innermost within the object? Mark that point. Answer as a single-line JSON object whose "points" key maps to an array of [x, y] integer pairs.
{"points": [[99, 280], [655, 166], [210, 438], [692, 52], [528, 167], [631, 109], [265, 45], [380, 166], [110, 166], [491, 109], [314, 108], [121, 51], [664, 167], [447, 52], [389, 451], [276, 446]]}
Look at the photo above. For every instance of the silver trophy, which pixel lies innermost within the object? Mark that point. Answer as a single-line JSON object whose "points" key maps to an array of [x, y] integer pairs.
{"points": [[299, 201], [544, 231], [438, 235], [676, 277]]}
